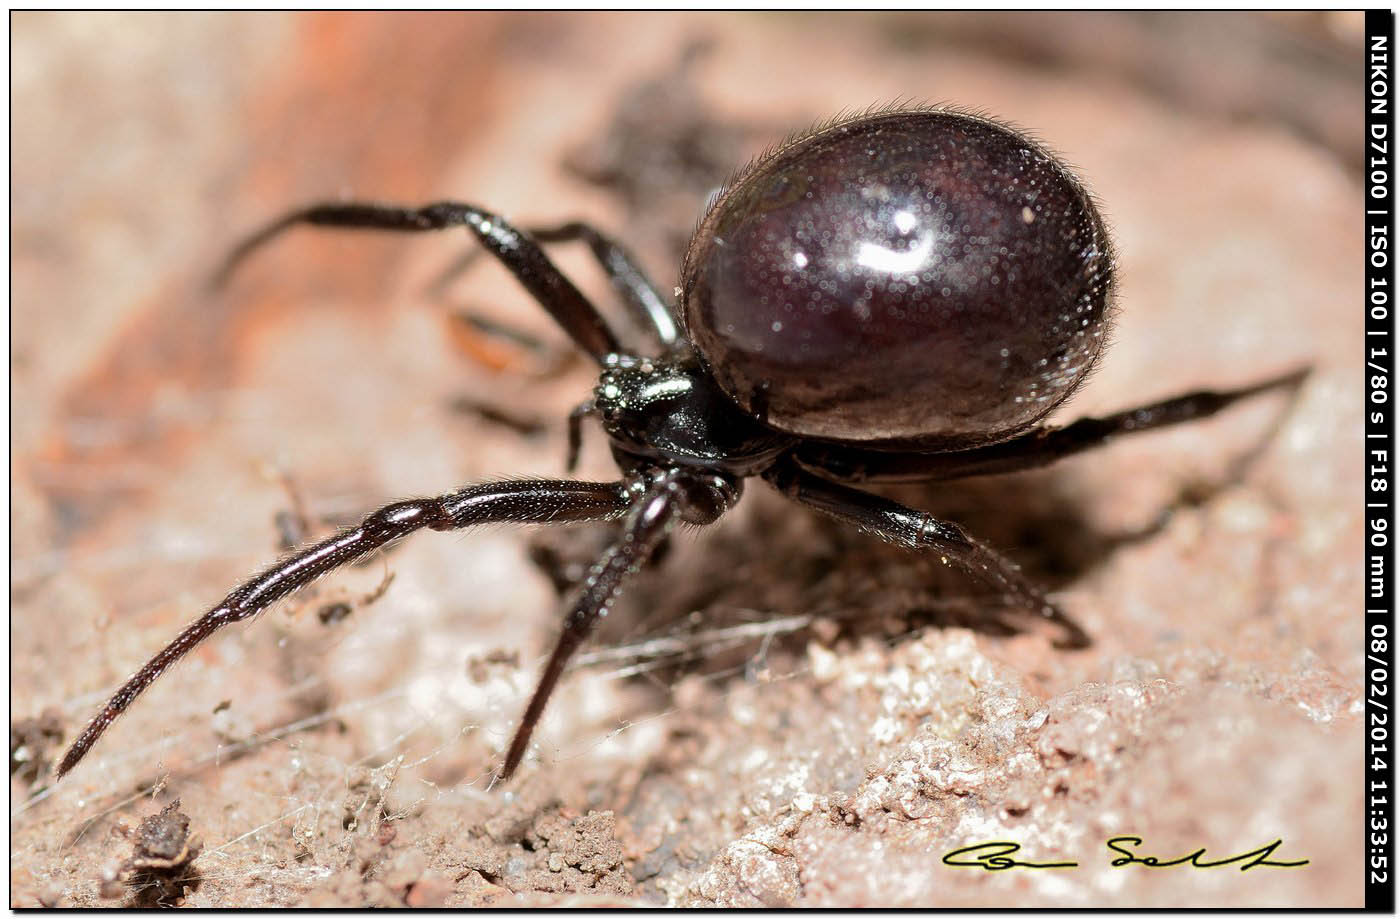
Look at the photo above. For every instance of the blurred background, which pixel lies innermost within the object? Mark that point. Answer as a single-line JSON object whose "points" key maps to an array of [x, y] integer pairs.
{"points": [[168, 439]]}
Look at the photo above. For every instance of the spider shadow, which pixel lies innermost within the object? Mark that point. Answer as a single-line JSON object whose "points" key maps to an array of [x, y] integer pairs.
{"points": [[702, 607]]}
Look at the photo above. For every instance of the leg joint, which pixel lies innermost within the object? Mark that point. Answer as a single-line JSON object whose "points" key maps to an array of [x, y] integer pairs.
{"points": [[935, 532], [407, 516]]}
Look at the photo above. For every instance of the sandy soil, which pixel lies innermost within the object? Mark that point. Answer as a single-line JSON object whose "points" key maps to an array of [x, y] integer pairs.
{"points": [[784, 712]]}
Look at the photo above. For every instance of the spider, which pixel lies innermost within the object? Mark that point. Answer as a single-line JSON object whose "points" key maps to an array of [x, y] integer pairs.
{"points": [[899, 295]]}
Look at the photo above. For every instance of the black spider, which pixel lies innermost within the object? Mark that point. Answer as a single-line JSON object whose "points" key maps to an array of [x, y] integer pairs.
{"points": [[897, 296]]}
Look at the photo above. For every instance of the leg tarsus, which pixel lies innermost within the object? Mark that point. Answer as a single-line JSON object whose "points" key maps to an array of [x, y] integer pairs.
{"points": [[914, 529], [538, 501], [646, 525], [670, 496], [516, 250]]}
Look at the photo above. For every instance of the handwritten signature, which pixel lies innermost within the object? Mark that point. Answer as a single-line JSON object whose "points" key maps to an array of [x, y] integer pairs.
{"points": [[996, 856]]}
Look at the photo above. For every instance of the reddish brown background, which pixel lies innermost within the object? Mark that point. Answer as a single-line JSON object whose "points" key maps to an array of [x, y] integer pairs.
{"points": [[816, 763]]}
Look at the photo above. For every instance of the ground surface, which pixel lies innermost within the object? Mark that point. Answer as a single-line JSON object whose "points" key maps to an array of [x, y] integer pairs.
{"points": [[856, 716]]}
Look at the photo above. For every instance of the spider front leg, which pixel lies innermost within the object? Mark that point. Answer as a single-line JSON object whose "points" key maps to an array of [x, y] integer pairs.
{"points": [[672, 494], [915, 529], [649, 307], [520, 254], [539, 501]]}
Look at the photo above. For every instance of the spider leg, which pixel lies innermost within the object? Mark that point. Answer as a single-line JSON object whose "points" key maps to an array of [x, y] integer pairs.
{"points": [[516, 250], [535, 501], [915, 529], [1039, 447], [649, 307], [580, 412], [672, 494]]}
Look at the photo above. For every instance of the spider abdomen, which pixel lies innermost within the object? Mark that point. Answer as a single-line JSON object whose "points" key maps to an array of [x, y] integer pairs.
{"points": [[914, 275]]}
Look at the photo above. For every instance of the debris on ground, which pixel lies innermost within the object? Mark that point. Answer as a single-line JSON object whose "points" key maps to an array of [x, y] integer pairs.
{"points": [[158, 872]]}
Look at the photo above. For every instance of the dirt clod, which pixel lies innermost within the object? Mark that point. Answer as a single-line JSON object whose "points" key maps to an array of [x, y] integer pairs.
{"points": [[580, 855], [158, 871]]}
